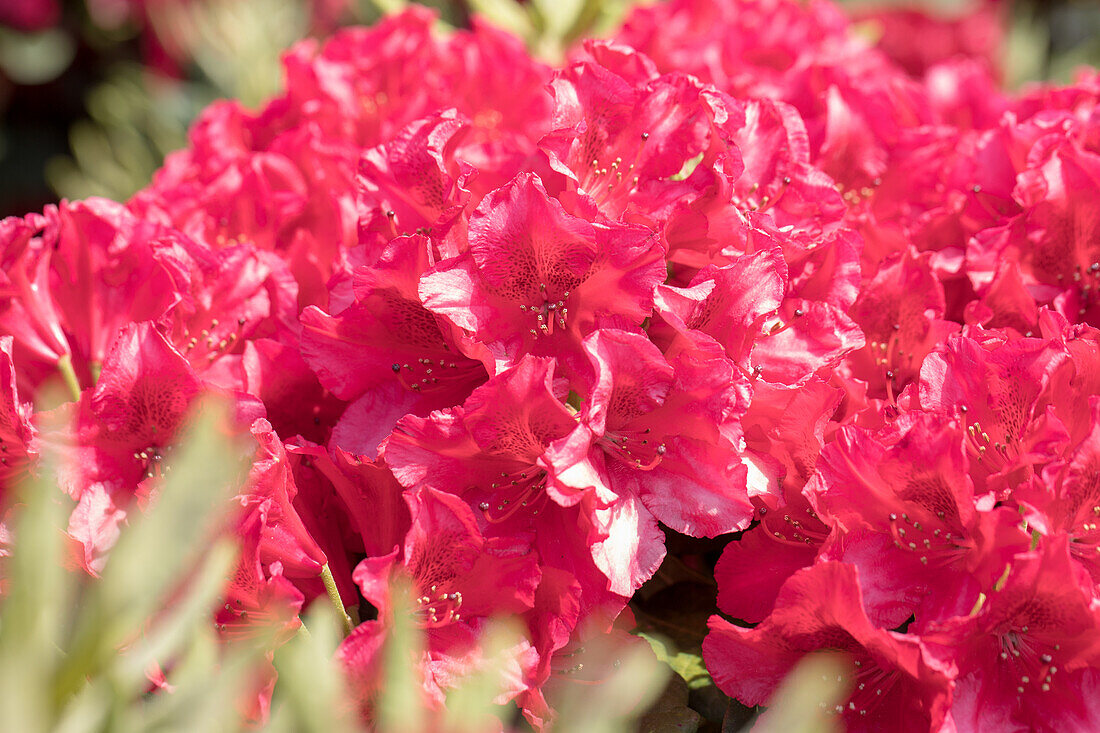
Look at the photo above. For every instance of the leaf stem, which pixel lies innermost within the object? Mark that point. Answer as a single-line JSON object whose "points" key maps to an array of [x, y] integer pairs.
{"points": [[334, 598]]}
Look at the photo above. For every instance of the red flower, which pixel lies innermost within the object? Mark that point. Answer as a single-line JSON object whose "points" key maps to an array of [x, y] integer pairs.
{"points": [[18, 449], [1027, 658], [996, 390], [536, 280], [895, 683], [514, 452], [460, 579], [386, 352], [667, 440], [908, 508]]}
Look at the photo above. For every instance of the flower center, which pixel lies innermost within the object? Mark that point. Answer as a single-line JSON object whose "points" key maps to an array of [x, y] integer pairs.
{"points": [[518, 491], [548, 312], [437, 608], [633, 447], [423, 373], [932, 541]]}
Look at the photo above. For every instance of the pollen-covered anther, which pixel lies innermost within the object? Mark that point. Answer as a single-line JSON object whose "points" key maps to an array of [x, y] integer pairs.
{"points": [[427, 373], [439, 609], [634, 447], [153, 458], [516, 492], [217, 340], [549, 313]]}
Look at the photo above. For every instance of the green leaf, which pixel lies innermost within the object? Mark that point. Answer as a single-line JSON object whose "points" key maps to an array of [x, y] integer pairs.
{"points": [[689, 666], [506, 14], [35, 58], [612, 706], [804, 699], [400, 709], [311, 692]]}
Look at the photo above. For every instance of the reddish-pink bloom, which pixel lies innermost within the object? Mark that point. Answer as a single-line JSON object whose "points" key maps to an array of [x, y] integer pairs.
{"points": [[514, 452], [536, 279], [460, 579], [995, 389], [784, 432], [1027, 657], [900, 312], [18, 449], [386, 353], [414, 184], [895, 683], [667, 439], [906, 506], [284, 538]]}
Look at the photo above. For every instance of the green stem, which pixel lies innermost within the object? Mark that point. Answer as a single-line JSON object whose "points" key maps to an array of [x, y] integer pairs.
{"points": [[65, 366], [334, 598]]}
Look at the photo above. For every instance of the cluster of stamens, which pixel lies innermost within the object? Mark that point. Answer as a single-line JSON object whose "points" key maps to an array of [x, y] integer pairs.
{"points": [[214, 344], [979, 443], [634, 447], [871, 683], [439, 609], [424, 373], [1087, 283], [1086, 540], [853, 196], [765, 202], [233, 618], [153, 458], [612, 175], [797, 531], [548, 313], [887, 356], [221, 240], [937, 543], [1035, 668], [779, 326], [371, 103], [514, 492]]}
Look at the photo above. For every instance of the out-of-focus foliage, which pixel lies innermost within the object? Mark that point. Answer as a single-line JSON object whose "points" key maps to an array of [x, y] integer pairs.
{"points": [[136, 649], [134, 119], [79, 654], [136, 116], [551, 26]]}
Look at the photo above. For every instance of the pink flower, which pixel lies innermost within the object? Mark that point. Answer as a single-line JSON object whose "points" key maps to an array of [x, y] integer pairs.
{"points": [[460, 579], [895, 682], [536, 279], [667, 440], [1027, 657]]}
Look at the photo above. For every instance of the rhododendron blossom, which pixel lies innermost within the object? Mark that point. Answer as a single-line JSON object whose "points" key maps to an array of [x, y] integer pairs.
{"points": [[731, 316]]}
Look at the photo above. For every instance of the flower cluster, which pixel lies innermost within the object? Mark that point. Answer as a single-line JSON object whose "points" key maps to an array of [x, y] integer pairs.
{"points": [[496, 329]]}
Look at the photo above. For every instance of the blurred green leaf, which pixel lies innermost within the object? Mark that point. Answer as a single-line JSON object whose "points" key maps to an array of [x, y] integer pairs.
{"points": [[805, 701], [614, 706], [687, 665], [313, 696], [470, 707], [506, 14], [35, 58], [400, 706], [75, 651]]}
